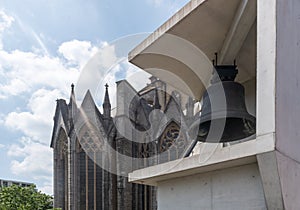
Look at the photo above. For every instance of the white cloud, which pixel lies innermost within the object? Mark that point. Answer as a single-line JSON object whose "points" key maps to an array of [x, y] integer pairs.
{"points": [[39, 79], [97, 70], [47, 187], [5, 22], [15, 87], [42, 79], [37, 122], [26, 71], [36, 163], [77, 52], [32, 156]]}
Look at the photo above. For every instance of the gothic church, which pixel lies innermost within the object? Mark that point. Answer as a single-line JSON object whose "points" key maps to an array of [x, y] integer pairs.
{"points": [[80, 182]]}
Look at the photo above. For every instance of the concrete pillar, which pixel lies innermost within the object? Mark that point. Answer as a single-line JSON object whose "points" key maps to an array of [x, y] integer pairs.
{"points": [[268, 169]]}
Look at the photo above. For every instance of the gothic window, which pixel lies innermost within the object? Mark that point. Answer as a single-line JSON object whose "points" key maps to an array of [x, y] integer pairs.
{"points": [[61, 169], [62, 146], [90, 143], [90, 140], [172, 143], [147, 151], [169, 137]]}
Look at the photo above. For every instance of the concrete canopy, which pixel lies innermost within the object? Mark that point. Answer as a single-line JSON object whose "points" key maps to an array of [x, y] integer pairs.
{"points": [[181, 50]]}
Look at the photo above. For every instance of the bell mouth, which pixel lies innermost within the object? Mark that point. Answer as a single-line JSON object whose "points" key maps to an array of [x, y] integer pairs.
{"points": [[226, 129]]}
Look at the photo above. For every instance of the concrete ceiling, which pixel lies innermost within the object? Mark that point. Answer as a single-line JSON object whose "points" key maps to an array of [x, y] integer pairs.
{"points": [[181, 50]]}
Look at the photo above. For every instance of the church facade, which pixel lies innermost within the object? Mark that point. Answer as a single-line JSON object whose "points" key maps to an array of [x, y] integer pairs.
{"points": [[93, 152]]}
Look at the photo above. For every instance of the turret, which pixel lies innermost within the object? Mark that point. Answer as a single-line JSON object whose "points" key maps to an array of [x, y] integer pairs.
{"points": [[72, 106], [106, 104]]}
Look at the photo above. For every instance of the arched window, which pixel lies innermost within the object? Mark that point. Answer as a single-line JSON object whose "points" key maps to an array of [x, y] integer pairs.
{"points": [[147, 151], [61, 170], [172, 143], [62, 144], [90, 140]]}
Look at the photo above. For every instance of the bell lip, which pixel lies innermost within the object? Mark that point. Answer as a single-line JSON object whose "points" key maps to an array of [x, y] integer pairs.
{"points": [[228, 114], [217, 116]]}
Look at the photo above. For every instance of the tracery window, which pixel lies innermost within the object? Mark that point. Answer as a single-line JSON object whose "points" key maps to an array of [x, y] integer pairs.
{"points": [[62, 145], [90, 144], [145, 150], [172, 142], [89, 141], [171, 136]]}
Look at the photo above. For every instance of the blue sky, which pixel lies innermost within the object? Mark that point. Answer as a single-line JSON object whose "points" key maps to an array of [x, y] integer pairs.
{"points": [[44, 46]]}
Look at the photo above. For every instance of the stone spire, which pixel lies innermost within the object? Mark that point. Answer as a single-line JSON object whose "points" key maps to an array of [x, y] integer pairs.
{"points": [[106, 104], [156, 100], [72, 95], [72, 106]]}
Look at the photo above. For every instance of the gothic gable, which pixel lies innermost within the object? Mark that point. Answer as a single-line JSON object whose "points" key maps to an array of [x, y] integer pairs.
{"points": [[89, 120], [60, 120]]}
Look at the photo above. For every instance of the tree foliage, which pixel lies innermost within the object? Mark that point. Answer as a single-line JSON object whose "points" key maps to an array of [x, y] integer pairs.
{"points": [[23, 198]]}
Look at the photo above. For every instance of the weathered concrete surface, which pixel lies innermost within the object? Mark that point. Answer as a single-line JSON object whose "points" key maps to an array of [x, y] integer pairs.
{"points": [[289, 171], [185, 44], [270, 179], [288, 78], [266, 67], [287, 100], [214, 159], [232, 188]]}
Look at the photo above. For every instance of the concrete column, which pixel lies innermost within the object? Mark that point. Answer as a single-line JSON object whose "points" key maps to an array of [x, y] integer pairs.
{"points": [[266, 67], [268, 169]]}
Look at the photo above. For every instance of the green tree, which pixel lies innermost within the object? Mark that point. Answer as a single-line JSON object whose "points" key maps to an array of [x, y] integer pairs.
{"points": [[23, 198]]}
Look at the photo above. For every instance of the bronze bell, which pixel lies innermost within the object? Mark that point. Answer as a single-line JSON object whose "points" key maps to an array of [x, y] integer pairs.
{"points": [[224, 109]]}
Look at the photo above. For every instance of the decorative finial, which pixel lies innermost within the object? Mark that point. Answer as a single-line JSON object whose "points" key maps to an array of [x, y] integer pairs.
{"points": [[72, 87], [106, 103]]}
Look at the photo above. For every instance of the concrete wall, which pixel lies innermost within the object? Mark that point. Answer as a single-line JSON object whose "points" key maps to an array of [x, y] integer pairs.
{"points": [[232, 188], [288, 78], [266, 65], [289, 172], [288, 100]]}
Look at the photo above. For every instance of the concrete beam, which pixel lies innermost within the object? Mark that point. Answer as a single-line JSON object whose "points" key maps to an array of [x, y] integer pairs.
{"points": [[240, 27], [209, 160]]}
